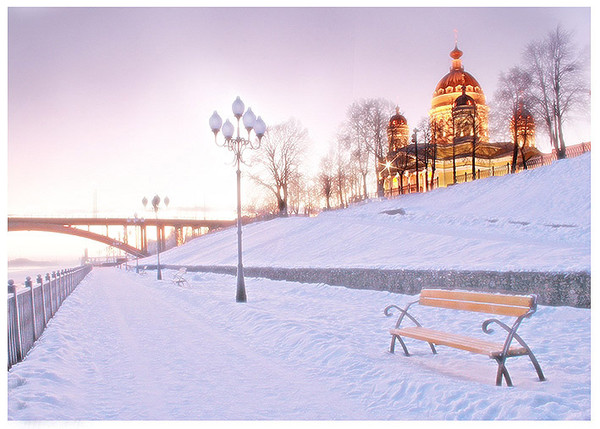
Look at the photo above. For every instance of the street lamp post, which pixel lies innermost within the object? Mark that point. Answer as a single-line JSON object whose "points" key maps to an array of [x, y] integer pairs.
{"points": [[155, 207], [414, 139], [237, 145]]}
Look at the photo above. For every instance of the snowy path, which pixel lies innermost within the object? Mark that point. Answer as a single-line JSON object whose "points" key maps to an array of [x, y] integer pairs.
{"points": [[128, 347], [151, 370]]}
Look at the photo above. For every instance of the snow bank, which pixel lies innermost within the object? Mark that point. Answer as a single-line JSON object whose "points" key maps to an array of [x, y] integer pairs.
{"points": [[126, 346], [537, 220]]}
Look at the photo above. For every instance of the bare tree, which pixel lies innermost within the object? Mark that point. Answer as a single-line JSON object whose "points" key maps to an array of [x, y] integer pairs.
{"points": [[425, 132], [367, 122], [280, 156], [352, 136], [343, 169], [296, 190], [311, 196], [326, 179], [558, 76], [512, 98]]}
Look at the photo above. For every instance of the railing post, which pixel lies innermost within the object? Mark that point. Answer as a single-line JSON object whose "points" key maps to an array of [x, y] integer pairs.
{"points": [[59, 281], [69, 278], [51, 295], [56, 276], [41, 283], [29, 284], [13, 289], [61, 288], [56, 290]]}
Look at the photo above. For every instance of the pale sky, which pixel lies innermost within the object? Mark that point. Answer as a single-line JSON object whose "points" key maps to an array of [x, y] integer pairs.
{"points": [[115, 102]]}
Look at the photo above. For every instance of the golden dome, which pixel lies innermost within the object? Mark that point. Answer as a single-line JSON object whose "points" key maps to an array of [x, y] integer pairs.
{"points": [[397, 119], [457, 78]]}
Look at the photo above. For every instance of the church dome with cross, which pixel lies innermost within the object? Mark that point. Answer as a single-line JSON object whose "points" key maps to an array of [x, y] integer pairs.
{"points": [[455, 84]]}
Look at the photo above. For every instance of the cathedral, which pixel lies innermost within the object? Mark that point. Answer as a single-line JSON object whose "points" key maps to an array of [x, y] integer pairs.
{"points": [[456, 147]]}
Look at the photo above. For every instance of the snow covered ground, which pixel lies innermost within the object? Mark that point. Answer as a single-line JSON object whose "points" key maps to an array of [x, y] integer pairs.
{"points": [[537, 220], [128, 347]]}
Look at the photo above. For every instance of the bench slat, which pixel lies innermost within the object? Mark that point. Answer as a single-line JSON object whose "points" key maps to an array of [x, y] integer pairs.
{"points": [[462, 342], [513, 300], [507, 305], [475, 306]]}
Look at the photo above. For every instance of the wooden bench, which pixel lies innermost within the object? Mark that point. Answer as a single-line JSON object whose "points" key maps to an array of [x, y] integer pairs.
{"points": [[520, 307], [179, 277]]}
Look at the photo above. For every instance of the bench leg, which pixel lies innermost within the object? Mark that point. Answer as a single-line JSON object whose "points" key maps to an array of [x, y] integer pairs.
{"points": [[392, 346], [502, 371], [537, 366]]}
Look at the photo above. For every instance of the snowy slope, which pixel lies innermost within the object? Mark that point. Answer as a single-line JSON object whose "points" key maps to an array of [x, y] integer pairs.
{"points": [[534, 220]]}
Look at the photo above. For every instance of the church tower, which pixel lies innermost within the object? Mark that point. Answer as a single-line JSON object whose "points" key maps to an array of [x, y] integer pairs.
{"points": [[448, 89], [397, 132]]}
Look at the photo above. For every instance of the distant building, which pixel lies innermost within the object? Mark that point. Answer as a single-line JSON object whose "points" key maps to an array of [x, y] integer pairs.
{"points": [[457, 147]]}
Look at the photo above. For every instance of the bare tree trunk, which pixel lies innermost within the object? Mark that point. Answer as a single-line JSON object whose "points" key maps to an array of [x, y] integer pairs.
{"points": [[513, 168]]}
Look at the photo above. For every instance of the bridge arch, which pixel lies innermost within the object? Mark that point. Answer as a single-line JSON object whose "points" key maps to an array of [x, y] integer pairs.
{"points": [[63, 229]]}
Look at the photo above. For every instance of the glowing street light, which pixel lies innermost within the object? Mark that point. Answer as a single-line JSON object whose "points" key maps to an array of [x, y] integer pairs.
{"points": [[237, 145]]}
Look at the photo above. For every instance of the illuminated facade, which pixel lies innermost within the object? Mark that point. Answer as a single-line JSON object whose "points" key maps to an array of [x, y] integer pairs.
{"points": [[457, 148]]}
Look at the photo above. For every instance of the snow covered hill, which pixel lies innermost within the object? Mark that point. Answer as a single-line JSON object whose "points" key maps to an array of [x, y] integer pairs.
{"points": [[537, 220]]}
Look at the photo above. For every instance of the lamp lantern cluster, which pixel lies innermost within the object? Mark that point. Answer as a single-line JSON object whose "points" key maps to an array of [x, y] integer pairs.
{"points": [[237, 145]]}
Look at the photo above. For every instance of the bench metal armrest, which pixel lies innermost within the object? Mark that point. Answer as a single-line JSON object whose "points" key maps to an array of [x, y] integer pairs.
{"points": [[512, 331], [403, 312]]}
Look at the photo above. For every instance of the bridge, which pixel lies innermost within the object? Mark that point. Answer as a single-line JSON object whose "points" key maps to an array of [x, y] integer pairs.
{"points": [[81, 227]]}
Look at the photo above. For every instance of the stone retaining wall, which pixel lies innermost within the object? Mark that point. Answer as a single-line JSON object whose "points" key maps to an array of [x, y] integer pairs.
{"points": [[570, 288]]}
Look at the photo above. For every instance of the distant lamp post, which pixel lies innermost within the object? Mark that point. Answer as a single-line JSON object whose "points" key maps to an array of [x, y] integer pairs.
{"points": [[237, 145], [155, 207], [414, 139]]}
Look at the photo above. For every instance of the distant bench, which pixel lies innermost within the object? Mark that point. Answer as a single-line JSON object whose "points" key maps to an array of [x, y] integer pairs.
{"points": [[519, 307], [179, 277]]}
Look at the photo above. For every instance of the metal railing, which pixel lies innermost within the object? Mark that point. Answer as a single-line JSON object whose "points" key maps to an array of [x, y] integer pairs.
{"points": [[30, 308], [502, 170]]}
